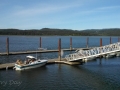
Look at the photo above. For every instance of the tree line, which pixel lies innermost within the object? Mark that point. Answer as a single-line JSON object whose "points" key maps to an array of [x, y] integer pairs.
{"points": [[62, 32]]}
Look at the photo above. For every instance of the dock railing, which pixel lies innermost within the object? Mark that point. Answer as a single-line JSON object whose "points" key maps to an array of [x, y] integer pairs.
{"points": [[94, 52]]}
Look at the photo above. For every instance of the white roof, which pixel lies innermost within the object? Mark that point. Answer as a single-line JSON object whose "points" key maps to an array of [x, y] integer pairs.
{"points": [[30, 57]]}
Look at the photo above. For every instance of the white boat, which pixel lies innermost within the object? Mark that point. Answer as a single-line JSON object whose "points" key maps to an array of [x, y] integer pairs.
{"points": [[117, 54], [29, 63], [110, 55], [89, 59], [104, 55]]}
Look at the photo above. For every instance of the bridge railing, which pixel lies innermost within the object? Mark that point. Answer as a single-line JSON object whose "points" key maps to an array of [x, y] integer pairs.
{"points": [[81, 54]]}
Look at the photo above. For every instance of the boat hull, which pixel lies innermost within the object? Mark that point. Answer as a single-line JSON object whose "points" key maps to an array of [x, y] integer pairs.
{"points": [[110, 55], [89, 59], [118, 54]]}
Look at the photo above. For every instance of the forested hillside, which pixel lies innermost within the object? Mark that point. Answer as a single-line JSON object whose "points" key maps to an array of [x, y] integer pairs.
{"points": [[62, 32]]}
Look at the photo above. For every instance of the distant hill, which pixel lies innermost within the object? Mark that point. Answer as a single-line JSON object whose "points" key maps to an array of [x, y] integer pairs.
{"points": [[62, 32]]}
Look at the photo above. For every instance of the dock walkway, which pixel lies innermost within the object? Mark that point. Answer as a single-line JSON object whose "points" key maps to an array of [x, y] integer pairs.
{"points": [[94, 52], [38, 51], [51, 61], [7, 66]]}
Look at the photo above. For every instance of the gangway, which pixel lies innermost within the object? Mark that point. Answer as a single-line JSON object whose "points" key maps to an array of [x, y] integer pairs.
{"points": [[94, 52]]}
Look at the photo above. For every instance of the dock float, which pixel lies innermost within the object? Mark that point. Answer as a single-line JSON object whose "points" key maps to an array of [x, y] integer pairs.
{"points": [[7, 66], [39, 51], [50, 61]]}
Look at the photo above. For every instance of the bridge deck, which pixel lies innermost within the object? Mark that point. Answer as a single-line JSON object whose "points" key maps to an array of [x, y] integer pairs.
{"points": [[94, 52]]}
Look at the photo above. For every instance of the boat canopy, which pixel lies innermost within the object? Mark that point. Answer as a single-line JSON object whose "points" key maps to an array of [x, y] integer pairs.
{"points": [[31, 57]]}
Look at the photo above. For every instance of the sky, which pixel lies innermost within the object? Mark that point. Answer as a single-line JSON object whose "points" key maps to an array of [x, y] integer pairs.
{"points": [[61, 14]]}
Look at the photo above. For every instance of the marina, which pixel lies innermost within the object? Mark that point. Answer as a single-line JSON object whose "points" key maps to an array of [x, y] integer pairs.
{"points": [[79, 56], [59, 72], [82, 55], [59, 45]]}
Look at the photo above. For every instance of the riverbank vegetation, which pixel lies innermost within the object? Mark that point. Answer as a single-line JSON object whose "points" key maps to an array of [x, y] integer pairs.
{"points": [[62, 32]]}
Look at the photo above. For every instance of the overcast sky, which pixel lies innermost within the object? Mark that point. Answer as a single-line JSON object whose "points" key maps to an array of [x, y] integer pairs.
{"points": [[62, 14]]}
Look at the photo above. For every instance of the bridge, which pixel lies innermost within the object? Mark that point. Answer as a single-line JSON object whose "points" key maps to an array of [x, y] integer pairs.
{"points": [[80, 54]]}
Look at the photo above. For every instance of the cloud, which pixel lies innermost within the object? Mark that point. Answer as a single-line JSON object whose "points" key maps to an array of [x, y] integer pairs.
{"points": [[55, 13], [45, 9], [96, 10], [108, 8]]}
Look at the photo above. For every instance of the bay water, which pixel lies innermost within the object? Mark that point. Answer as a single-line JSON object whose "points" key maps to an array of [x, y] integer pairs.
{"points": [[101, 74]]}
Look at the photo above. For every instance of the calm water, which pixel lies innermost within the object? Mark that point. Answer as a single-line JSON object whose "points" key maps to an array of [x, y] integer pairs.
{"points": [[96, 75]]}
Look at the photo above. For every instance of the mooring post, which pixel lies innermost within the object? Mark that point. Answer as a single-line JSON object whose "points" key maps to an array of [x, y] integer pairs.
{"points": [[59, 49], [118, 39], [71, 43], [100, 46], [110, 40], [87, 42], [100, 42], [7, 45], [40, 42]]}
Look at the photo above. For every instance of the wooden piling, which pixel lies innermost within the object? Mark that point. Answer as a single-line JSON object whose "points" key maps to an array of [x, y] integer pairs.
{"points": [[100, 42], [71, 43], [87, 42], [110, 40], [100, 46], [40, 42], [7, 45], [118, 39], [59, 49]]}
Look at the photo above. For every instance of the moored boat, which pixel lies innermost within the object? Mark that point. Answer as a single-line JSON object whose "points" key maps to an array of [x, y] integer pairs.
{"points": [[104, 55], [117, 54], [110, 55], [29, 63], [89, 59]]}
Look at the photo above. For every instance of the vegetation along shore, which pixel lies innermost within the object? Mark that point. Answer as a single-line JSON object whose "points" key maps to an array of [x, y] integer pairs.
{"points": [[62, 32]]}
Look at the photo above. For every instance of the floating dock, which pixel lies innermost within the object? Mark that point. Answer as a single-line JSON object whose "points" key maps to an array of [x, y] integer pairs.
{"points": [[7, 66], [51, 61], [71, 59], [39, 51]]}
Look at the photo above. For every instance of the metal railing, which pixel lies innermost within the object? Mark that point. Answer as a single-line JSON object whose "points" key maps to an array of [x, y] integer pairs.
{"points": [[94, 52]]}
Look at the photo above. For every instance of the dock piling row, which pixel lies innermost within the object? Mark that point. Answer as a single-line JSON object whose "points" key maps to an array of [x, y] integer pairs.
{"points": [[71, 43], [99, 51], [118, 39], [40, 42], [100, 42], [7, 45], [59, 49], [87, 42], [110, 40]]}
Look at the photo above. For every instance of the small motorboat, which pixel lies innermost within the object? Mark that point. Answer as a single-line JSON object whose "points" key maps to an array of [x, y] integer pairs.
{"points": [[110, 55], [117, 54], [29, 63], [89, 59]]}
